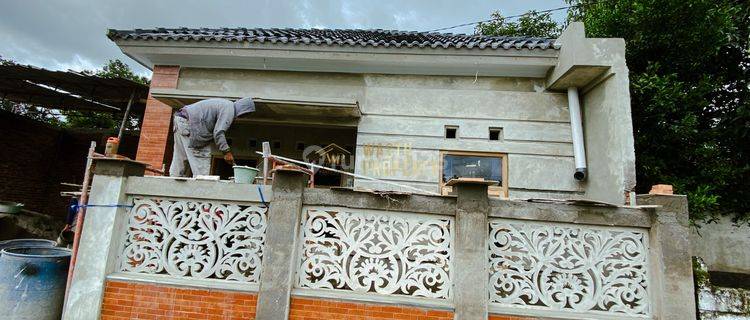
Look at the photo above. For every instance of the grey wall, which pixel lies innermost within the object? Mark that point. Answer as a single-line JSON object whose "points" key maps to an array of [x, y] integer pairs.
{"points": [[401, 131], [404, 119], [608, 128], [722, 246]]}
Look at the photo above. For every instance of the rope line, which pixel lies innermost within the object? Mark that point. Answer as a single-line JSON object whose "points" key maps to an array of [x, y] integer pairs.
{"points": [[420, 191], [262, 199]]}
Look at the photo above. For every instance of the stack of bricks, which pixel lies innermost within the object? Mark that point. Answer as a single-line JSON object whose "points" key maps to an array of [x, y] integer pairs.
{"points": [[157, 119], [661, 189], [132, 300]]}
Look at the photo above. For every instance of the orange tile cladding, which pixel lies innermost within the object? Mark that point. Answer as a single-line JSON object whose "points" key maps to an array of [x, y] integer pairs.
{"points": [[157, 119], [132, 300], [315, 309]]}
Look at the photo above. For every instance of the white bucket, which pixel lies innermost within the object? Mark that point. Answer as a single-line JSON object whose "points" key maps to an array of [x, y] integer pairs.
{"points": [[245, 174]]}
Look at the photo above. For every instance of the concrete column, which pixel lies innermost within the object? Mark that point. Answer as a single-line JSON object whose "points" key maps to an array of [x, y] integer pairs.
{"points": [[280, 255], [470, 251], [100, 239], [671, 257]]}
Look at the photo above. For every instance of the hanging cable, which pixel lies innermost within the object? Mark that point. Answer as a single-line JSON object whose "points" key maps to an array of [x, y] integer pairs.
{"points": [[519, 15]]}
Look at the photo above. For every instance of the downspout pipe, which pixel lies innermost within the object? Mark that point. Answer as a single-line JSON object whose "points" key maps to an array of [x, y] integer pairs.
{"points": [[576, 127]]}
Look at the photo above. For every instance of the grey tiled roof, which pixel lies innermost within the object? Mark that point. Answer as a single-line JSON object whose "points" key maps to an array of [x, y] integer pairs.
{"points": [[335, 37]]}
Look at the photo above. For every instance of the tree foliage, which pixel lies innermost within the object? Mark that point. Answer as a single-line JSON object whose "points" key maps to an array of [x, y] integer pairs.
{"points": [[689, 64], [532, 24], [689, 67], [104, 120]]}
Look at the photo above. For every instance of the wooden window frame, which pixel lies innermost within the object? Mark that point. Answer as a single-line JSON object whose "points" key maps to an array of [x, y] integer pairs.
{"points": [[495, 191]]}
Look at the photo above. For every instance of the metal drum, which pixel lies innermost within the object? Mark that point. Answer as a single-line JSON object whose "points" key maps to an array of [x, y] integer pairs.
{"points": [[26, 243], [32, 282]]}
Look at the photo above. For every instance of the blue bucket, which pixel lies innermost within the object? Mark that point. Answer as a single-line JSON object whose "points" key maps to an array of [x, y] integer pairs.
{"points": [[32, 282], [26, 243]]}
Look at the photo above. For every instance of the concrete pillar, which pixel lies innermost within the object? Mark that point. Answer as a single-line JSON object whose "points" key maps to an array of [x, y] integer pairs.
{"points": [[470, 251], [280, 255], [671, 257], [102, 232]]}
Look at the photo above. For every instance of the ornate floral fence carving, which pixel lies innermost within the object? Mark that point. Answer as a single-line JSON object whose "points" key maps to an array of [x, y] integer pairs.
{"points": [[198, 239], [377, 252], [565, 267]]}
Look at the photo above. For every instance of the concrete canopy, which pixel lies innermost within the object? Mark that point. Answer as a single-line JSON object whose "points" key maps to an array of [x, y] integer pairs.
{"points": [[303, 110]]}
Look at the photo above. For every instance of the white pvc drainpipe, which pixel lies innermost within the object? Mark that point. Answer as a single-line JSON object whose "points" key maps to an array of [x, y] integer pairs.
{"points": [[576, 126]]}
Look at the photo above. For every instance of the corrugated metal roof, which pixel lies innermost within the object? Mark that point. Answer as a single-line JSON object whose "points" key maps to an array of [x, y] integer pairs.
{"points": [[338, 37], [69, 90]]}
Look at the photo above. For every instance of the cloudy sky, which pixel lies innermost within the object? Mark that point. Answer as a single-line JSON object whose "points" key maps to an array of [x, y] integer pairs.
{"points": [[71, 34]]}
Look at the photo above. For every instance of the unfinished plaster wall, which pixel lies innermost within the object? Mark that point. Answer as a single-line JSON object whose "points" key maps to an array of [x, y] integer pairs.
{"points": [[597, 68], [722, 245], [608, 127], [401, 132]]}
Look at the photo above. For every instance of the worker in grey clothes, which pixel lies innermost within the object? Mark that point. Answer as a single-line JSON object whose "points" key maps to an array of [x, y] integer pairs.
{"points": [[199, 129]]}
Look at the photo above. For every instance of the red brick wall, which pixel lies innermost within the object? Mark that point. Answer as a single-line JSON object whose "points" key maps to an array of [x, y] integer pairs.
{"points": [[37, 157], [132, 300], [157, 119], [314, 309]]}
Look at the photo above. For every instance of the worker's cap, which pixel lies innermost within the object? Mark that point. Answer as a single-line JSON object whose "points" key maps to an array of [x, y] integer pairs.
{"points": [[244, 105]]}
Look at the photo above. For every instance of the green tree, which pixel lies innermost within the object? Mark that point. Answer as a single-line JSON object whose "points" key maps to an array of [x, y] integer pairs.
{"points": [[103, 120], [532, 24], [689, 67], [118, 69], [689, 64]]}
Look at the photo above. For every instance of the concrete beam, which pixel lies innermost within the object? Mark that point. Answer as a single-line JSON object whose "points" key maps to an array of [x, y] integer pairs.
{"points": [[372, 60], [573, 213], [386, 202], [671, 257], [279, 261], [581, 60], [103, 231], [470, 251]]}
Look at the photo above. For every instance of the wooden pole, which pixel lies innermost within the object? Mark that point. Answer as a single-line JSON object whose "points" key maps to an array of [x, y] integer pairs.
{"points": [[81, 213], [266, 154], [125, 117]]}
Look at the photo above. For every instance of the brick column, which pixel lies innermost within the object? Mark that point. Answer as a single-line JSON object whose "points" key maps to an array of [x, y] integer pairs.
{"points": [[157, 119]]}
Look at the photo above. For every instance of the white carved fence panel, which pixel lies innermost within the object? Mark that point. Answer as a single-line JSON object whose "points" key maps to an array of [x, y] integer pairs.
{"points": [[195, 238], [563, 267], [369, 251]]}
